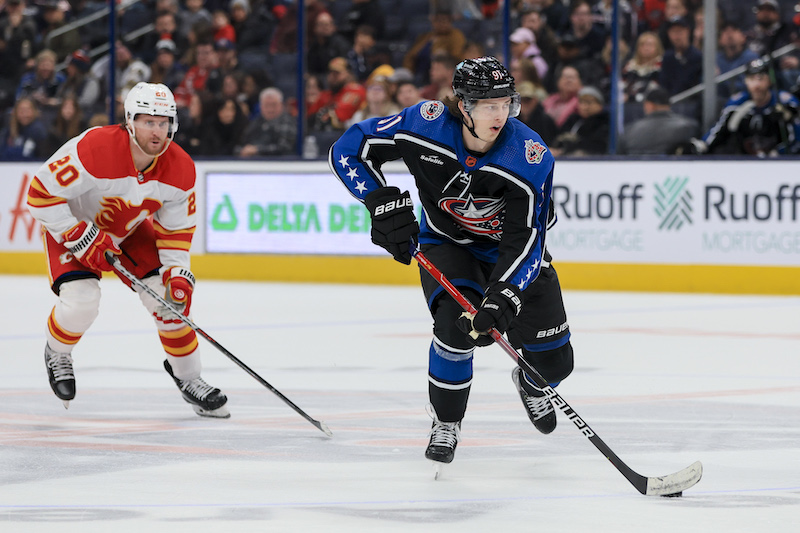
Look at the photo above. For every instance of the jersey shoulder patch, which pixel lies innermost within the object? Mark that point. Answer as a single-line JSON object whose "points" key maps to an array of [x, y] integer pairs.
{"points": [[534, 151], [431, 110]]}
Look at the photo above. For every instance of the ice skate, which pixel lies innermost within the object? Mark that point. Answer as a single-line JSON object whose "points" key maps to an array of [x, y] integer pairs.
{"points": [[444, 439], [60, 373], [538, 406], [205, 400]]}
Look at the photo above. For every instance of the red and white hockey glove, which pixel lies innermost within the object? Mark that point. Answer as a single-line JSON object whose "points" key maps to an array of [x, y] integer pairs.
{"points": [[179, 283], [89, 245]]}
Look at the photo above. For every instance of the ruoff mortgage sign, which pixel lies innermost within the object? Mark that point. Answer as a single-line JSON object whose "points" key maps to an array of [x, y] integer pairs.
{"points": [[699, 212]]}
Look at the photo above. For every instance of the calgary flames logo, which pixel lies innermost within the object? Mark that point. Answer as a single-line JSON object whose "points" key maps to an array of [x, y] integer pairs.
{"points": [[119, 217], [480, 216]]}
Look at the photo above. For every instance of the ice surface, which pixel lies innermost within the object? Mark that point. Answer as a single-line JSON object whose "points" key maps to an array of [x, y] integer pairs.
{"points": [[664, 379]]}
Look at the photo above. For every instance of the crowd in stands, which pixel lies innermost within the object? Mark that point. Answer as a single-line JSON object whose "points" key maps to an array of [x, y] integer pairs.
{"points": [[232, 65]]}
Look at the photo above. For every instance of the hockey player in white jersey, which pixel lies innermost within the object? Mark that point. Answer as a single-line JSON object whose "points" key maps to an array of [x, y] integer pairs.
{"points": [[129, 190], [484, 181]]}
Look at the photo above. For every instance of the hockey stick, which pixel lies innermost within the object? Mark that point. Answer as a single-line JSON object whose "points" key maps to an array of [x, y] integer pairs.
{"points": [[113, 261], [669, 485]]}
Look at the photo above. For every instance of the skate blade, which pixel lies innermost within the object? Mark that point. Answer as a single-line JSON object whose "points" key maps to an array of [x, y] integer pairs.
{"points": [[220, 412], [438, 468], [66, 403]]}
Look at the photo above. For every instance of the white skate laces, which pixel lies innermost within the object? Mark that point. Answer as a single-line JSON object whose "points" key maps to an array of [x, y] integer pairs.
{"points": [[197, 387], [61, 365]]}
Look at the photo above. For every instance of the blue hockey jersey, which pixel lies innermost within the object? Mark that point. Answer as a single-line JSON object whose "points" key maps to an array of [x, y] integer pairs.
{"points": [[496, 204]]}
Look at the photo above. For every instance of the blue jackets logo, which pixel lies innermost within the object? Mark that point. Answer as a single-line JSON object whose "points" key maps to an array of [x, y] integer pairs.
{"points": [[479, 216]]}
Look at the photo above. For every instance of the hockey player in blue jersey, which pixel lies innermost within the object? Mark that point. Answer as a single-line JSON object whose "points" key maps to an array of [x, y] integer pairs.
{"points": [[484, 181]]}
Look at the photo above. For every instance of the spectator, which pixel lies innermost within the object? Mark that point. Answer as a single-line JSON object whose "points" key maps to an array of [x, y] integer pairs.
{"points": [[588, 38], [284, 38], [525, 70], [441, 76], [555, 13], [546, 39], [682, 67], [224, 130], [76, 84], [129, 72], [227, 58], [316, 98], [771, 33], [166, 68], [221, 24], [523, 45], [203, 76], [660, 131], [532, 113], [651, 14], [674, 10], [761, 121], [24, 137], [68, 124], [378, 103], [166, 27], [602, 17], [42, 84], [591, 69], [274, 132], [253, 29], [365, 55], [347, 96], [54, 18], [363, 12], [325, 44], [443, 38], [18, 32], [564, 103], [585, 131], [733, 53], [407, 94], [191, 121], [641, 73], [193, 14], [232, 88]]}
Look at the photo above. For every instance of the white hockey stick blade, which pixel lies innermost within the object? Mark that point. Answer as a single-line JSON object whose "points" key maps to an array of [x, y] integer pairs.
{"points": [[673, 484]]}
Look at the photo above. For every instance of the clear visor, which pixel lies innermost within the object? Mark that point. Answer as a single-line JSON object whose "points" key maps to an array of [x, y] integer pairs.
{"points": [[490, 108], [148, 122]]}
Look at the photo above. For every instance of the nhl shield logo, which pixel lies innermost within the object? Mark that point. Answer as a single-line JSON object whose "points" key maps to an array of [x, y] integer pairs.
{"points": [[534, 151], [431, 110]]}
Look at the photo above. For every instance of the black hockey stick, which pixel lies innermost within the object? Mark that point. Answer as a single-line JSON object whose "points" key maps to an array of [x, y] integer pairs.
{"points": [[669, 485], [114, 262]]}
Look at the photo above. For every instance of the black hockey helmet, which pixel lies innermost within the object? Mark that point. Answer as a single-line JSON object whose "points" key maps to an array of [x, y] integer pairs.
{"points": [[482, 78], [757, 66]]}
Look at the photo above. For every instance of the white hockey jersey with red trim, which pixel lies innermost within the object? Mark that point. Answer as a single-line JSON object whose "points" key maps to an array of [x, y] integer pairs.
{"points": [[93, 178]]}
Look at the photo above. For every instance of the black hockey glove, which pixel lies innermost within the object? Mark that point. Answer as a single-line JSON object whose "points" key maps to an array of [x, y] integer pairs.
{"points": [[394, 226], [501, 305]]}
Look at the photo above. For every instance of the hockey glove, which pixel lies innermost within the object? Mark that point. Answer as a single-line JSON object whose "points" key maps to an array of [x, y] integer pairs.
{"points": [[89, 245], [502, 304], [394, 226], [179, 284]]}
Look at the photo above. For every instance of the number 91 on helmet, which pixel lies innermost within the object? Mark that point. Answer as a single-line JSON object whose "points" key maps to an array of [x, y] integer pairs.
{"points": [[483, 78]]}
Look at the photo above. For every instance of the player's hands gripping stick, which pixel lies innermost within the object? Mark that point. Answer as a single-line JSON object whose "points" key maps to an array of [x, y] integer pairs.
{"points": [[179, 284], [501, 305], [394, 225], [89, 245]]}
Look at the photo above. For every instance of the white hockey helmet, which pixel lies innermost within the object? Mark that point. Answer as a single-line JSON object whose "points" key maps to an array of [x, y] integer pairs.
{"points": [[154, 99]]}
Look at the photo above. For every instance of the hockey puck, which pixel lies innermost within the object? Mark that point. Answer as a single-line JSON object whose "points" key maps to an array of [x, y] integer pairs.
{"points": [[673, 495]]}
